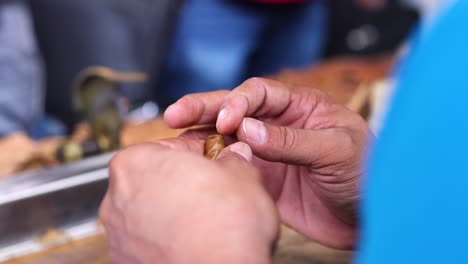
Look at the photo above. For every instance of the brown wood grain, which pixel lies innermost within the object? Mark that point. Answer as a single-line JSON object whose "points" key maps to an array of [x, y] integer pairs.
{"points": [[292, 249]]}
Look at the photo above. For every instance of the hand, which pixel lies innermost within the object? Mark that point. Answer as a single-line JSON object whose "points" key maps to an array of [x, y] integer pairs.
{"points": [[166, 203], [308, 149]]}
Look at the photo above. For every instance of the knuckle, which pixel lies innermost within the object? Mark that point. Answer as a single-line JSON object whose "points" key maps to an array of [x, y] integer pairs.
{"points": [[130, 157], [288, 138], [124, 162], [255, 86], [252, 91], [255, 82], [118, 163], [192, 101], [115, 165], [126, 175]]}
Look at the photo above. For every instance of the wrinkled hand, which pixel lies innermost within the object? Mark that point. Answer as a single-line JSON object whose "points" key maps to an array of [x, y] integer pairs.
{"points": [[166, 203], [308, 149]]}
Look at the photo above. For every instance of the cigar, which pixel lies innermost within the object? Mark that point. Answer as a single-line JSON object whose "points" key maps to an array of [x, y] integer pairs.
{"points": [[213, 146]]}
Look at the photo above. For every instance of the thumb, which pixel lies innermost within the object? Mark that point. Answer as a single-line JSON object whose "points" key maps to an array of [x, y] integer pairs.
{"points": [[237, 151], [290, 145], [235, 156], [236, 159]]}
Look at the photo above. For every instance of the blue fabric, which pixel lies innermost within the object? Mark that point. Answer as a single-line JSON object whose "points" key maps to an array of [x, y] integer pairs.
{"points": [[218, 44], [416, 206], [21, 72]]}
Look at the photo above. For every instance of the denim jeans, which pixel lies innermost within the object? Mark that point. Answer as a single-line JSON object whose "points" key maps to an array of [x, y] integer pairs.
{"points": [[219, 43], [21, 73]]}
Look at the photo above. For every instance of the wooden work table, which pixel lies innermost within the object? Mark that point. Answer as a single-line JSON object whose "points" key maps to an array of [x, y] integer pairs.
{"points": [[292, 249]]}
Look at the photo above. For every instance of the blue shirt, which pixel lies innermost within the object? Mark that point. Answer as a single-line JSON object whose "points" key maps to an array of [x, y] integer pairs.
{"points": [[21, 72], [415, 206]]}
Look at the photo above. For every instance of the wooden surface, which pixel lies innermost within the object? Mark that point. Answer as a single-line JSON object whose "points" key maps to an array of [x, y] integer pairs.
{"points": [[340, 77], [292, 249]]}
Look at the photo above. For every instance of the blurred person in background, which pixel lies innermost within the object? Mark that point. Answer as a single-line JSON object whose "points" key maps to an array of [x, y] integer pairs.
{"points": [[21, 72], [217, 44], [75, 34]]}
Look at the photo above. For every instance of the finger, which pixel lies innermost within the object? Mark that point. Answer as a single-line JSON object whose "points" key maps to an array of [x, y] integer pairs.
{"points": [[198, 133], [294, 146], [182, 144], [255, 97], [195, 109], [203, 134], [236, 159], [237, 151]]}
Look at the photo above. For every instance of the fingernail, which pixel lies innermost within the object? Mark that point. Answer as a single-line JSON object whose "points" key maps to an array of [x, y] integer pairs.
{"points": [[254, 130], [222, 115], [242, 149]]}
